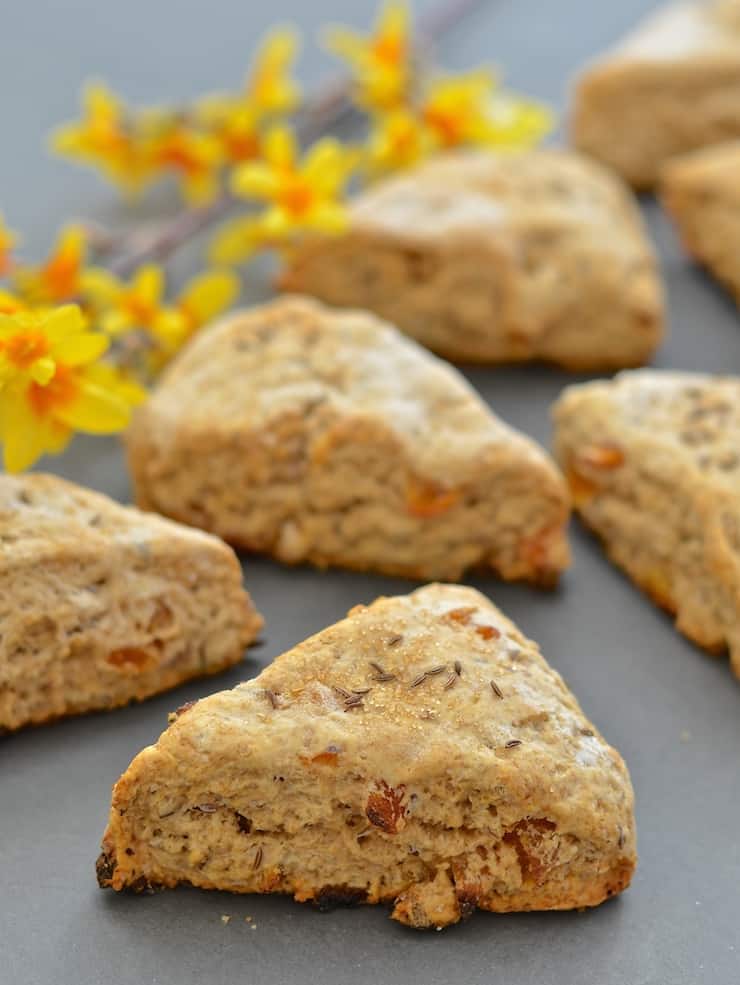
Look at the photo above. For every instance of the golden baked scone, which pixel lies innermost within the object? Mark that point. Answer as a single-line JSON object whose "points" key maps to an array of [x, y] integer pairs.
{"points": [[653, 461], [419, 752], [671, 86], [701, 192], [101, 604], [315, 434], [498, 258]]}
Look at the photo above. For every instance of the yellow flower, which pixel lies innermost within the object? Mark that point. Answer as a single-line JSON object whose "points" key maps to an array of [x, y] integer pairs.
{"points": [[235, 127], [234, 121], [105, 138], [193, 156], [518, 123], [134, 148], [8, 239], [203, 298], [397, 140], [456, 108], [59, 277], [302, 194], [139, 304], [381, 63], [269, 87], [51, 386], [238, 239], [468, 109], [11, 304]]}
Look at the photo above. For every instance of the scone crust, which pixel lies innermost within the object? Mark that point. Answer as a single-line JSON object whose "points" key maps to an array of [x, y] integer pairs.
{"points": [[701, 193], [683, 55], [102, 604], [437, 763], [321, 435], [497, 258], [653, 465]]}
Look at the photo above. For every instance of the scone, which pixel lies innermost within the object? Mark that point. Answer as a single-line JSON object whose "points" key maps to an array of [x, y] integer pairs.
{"points": [[420, 752], [671, 86], [321, 435], [498, 259], [101, 605], [653, 461], [701, 191]]}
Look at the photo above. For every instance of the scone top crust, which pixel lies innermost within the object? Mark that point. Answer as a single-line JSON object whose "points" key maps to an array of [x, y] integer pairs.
{"points": [[297, 356], [694, 418], [465, 692], [434, 703], [44, 517], [482, 195]]}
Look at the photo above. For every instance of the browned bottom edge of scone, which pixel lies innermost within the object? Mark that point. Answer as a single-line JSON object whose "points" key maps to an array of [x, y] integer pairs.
{"points": [[568, 364], [545, 557], [543, 577], [458, 905], [538, 570]]}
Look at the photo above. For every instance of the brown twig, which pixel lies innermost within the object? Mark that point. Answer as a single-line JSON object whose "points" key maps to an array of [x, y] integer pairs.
{"points": [[326, 108]]}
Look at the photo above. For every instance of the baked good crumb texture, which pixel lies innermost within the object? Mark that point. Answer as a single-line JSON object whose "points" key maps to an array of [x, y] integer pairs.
{"points": [[653, 462], [102, 604], [701, 192], [498, 258], [671, 86], [322, 435], [420, 752]]}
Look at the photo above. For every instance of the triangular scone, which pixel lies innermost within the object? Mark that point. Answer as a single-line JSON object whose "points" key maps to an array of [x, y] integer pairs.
{"points": [[701, 191], [498, 258], [101, 604], [653, 460], [322, 435], [419, 752], [671, 86]]}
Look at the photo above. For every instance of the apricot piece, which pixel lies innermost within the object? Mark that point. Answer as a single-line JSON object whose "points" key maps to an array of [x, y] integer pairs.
{"points": [[428, 499]]}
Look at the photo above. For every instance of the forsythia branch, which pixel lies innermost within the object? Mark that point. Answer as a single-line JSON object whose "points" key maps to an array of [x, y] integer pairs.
{"points": [[329, 106], [82, 329]]}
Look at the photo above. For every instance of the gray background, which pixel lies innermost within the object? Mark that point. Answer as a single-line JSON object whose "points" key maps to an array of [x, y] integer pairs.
{"points": [[672, 711]]}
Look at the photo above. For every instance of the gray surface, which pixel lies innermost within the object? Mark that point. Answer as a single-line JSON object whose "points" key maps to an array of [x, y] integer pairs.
{"points": [[639, 680]]}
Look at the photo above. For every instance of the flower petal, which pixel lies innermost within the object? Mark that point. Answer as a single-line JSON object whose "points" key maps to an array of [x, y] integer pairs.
{"points": [[329, 217], [326, 155], [63, 321], [96, 410], [42, 370], [349, 45], [280, 147], [254, 181], [115, 322], [78, 350], [100, 286], [237, 240], [277, 223], [208, 294], [199, 188], [148, 283], [117, 381], [170, 327], [23, 433]]}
